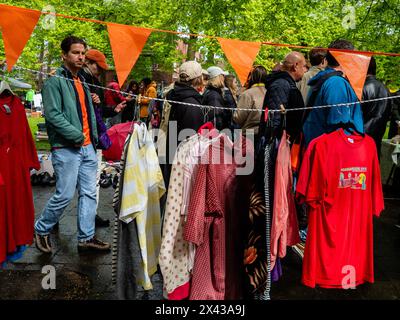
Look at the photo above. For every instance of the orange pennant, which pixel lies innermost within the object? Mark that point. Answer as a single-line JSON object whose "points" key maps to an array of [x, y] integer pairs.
{"points": [[355, 67], [241, 55], [127, 43], [17, 25]]}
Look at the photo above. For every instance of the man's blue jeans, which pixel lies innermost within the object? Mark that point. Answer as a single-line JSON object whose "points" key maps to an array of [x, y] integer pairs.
{"points": [[74, 168]]}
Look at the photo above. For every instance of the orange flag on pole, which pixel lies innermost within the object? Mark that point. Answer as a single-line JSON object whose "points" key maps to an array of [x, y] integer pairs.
{"points": [[16, 25], [355, 67], [241, 55], [127, 43]]}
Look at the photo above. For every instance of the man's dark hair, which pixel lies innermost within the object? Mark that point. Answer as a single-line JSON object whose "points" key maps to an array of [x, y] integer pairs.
{"points": [[69, 41], [146, 81], [317, 56], [257, 75], [372, 67], [338, 44], [131, 84]]}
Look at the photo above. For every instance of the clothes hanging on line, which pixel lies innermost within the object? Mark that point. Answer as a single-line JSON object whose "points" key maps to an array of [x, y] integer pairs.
{"points": [[176, 255], [139, 192], [203, 211], [340, 182], [284, 229]]}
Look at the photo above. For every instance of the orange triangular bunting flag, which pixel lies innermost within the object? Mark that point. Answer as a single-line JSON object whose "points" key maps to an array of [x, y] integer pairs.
{"points": [[127, 43], [17, 25], [241, 55], [355, 67]]}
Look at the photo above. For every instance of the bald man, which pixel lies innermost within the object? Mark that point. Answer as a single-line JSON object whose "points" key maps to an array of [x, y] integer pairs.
{"points": [[282, 91]]}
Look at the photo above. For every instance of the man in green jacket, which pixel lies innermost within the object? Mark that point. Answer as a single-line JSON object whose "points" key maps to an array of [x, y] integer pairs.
{"points": [[71, 127]]}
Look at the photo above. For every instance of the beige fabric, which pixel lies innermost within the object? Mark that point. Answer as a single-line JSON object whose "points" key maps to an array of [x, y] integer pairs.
{"points": [[252, 98], [303, 86]]}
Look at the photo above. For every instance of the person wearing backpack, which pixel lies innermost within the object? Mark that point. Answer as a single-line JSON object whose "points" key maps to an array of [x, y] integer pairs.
{"points": [[318, 63], [330, 87]]}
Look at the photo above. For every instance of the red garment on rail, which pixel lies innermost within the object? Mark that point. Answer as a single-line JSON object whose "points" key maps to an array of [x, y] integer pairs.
{"points": [[214, 220], [17, 156], [340, 181]]}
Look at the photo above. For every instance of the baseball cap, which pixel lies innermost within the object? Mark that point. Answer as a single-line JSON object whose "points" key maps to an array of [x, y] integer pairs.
{"points": [[216, 71], [98, 57], [190, 70]]}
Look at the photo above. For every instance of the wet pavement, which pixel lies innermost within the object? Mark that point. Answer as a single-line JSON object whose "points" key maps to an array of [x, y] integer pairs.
{"points": [[78, 275], [88, 276]]}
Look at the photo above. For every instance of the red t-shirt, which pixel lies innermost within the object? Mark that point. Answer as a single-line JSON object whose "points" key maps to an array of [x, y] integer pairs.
{"points": [[340, 181]]}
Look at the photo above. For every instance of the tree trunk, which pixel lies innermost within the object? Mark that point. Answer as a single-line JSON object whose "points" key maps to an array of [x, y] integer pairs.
{"points": [[41, 59], [191, 48]]}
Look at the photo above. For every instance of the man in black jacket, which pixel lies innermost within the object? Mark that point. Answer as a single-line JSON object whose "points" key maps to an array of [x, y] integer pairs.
{"points": [[282, 91], [376, 114]]}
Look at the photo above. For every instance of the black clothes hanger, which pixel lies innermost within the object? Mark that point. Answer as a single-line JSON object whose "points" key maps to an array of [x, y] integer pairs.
{"points": [[349, 127]]}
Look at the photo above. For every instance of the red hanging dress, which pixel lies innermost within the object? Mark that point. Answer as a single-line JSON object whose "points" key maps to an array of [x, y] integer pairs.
{"points": [[17, 156]]}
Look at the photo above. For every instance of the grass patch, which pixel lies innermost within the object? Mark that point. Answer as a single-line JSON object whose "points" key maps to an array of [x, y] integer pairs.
{"points": [[40, 145]]}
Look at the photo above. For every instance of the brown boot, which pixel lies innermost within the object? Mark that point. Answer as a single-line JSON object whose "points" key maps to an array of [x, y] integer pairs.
{"points": [[93, 244]]}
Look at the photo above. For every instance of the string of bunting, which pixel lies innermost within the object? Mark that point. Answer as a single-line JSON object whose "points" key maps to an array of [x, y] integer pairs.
{"points": [[214, 107], [127, 43]]}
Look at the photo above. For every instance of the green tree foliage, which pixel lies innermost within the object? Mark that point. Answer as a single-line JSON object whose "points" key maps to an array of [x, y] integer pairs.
{"points": [[371, 24]]}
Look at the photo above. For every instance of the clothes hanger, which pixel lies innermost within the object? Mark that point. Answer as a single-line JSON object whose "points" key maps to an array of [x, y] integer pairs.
{"points": [[283, 113], [5, 86], [205, 114], [348, 127], [214, 121]]}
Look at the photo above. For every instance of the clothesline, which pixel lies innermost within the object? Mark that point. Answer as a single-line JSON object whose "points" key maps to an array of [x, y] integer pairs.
{"points": [[214, 107], [188, 34]]}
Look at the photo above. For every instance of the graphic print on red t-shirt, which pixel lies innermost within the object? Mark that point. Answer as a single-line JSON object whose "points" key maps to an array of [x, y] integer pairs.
{"points": [[354, 178]]}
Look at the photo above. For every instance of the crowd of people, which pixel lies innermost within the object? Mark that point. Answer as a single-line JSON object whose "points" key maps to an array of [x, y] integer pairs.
{"points": [[75, 111]]}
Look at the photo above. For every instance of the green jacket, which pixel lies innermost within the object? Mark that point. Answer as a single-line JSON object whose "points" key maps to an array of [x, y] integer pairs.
{"points": [[63, 112]]}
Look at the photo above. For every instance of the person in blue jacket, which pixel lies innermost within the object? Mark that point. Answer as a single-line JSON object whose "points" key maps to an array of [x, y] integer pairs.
{"points": [[328, 87]]}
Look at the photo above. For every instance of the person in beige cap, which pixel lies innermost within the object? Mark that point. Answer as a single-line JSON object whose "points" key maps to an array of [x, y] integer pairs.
{"points": [[190, 77], [186, 116]]}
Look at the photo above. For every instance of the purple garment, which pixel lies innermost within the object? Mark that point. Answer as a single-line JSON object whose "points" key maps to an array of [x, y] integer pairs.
{"points": [[276, 272], [104, 140]]}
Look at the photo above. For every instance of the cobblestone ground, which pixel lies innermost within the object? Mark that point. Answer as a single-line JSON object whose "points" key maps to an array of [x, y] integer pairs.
{"points": [[88, 276]]}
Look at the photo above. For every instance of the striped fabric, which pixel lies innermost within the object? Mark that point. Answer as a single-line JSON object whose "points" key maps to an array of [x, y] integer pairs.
{"points": [[141, 193], [116, 205], [267, 180]]}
